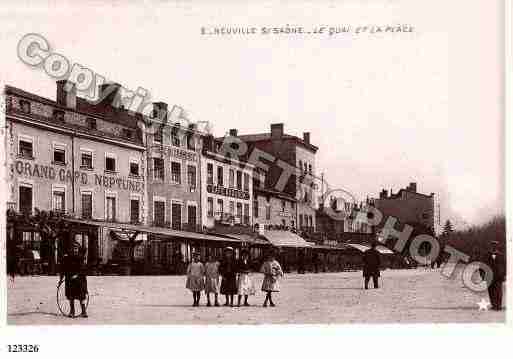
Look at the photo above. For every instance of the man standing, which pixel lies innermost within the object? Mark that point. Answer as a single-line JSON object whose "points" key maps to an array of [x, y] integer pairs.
{"points": [[497, 263], [371, 263]]}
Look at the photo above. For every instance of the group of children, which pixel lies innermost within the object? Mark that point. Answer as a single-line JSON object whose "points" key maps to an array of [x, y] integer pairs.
{"points": [[230, 277]]}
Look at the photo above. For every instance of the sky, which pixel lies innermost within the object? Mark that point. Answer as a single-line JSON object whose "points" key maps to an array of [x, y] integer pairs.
{"points": [[384, 109]]}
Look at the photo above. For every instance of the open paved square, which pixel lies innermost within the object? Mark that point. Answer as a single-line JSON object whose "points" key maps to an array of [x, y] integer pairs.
{"points": [[406, 296]]}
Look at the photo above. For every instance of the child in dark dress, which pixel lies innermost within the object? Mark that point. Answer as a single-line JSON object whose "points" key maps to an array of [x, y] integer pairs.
{"points": [[228, 271], [75, 279]]}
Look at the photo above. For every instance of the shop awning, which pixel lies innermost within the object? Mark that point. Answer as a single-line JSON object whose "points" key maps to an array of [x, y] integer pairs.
{"points": [[362, 248], [167, 232], [246, 238], [285, 239]]}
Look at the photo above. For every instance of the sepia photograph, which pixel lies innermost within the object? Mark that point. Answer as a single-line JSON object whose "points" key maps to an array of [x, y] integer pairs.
{"points": [[193, 163]]}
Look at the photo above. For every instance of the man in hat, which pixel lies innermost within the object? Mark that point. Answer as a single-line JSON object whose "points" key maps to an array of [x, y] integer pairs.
{"points": [[371, 264], [497, 263], [75, 279]]}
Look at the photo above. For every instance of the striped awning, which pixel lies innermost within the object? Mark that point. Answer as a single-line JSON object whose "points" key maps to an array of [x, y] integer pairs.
{"points": [[285, 239]]}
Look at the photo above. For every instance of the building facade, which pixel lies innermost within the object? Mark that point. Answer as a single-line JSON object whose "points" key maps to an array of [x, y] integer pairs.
{"points": [[408, 206], [75, 158], [298, 154], [226, 188]]}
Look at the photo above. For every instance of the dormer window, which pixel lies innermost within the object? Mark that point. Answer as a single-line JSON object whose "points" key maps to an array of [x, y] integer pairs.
{"points": [[91, 123], [128, 134], [25, 106], [58, 115]]}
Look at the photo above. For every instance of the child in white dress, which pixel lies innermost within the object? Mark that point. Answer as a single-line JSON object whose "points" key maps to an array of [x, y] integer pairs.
{"points": [[195, 282], [212, 279], [272, 271]]}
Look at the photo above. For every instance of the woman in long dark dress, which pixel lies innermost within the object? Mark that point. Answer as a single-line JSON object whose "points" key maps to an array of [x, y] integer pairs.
{"points": [[75, 279], [228, 271]]}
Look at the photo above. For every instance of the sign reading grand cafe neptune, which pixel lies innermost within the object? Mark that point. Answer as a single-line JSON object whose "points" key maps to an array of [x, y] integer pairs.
{"points": [[29, 169]]}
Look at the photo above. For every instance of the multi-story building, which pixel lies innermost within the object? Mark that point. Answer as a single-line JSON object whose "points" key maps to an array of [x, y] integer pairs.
{"points": [[299, 154], [74, 157], [407, 206], [173, 152], [226, 188]]}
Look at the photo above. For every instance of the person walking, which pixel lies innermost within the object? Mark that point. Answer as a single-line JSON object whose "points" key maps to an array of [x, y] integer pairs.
{"points": [[371, 264], [497, 263], [195, 283], [228, 271], [75, 280], [245, 286], [272, 272], [212, 279]]}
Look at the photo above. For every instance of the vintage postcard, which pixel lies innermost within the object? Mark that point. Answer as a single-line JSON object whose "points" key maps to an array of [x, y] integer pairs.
{"points": [[214, 163]]}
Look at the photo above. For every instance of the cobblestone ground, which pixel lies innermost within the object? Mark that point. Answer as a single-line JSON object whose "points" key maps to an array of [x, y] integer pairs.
{"points": [[406, 296]]}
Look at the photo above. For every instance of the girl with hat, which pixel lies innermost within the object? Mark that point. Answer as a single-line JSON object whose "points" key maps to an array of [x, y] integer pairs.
{"points": [[245, 285], [228, 271], [195, 273], [272, 271]]}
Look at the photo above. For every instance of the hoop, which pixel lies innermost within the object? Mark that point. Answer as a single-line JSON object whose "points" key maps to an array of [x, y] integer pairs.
{"points": [[63, 302]]}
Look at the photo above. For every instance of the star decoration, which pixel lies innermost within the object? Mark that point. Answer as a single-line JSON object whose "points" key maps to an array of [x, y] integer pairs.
{"points": [[483, 305]]}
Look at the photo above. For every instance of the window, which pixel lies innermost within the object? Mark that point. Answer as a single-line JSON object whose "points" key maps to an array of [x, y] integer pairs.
{"points": [[176, 216], [191, 142], [255, 208], [25, 148], [111, 208], [25, 199], [134, 168], [239, 180], [159, 213], [91, 123], [134, 210], [59, 155], [283, 204], [310, 169], [157, 136], [268, 212], [25, 106], [110, 163], [246, 182], [158, 168], [191, 177], [232, 207], [58, 200], [58, 115], [231, 178], [239, 210], [305, 168], [176, 173], [300, 165], [300, 220], [87, 205], [128, 134], [220, 176], [86, 160], [210, 173], [220, 206], [246, 213], [175, 138], [191, 216], [210, 206]]}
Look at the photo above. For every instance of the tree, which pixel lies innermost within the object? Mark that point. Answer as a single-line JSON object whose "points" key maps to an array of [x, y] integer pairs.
{"points": [[447, 228]]}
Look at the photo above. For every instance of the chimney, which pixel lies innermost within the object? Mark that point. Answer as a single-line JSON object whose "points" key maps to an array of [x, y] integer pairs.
{"points": [[160, 110], [233, 132], [66, 93], [413, 186], [306, 137], [276, 131], [110, 94]]}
